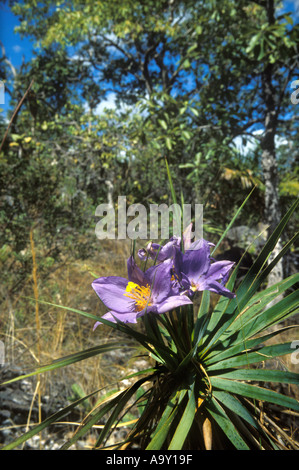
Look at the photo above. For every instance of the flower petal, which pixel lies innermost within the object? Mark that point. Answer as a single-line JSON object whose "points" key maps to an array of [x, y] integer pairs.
{"points": [[218, 288], [134, 272], [111, 291], [187, 236], [130, 317], [219, 270], [173, 302], [196, 261], [160, 281]]}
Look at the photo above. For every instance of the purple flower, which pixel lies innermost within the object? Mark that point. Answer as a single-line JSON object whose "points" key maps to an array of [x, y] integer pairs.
{"points": [[192, 270], [129, 299], [198, 273], [160, 252]]}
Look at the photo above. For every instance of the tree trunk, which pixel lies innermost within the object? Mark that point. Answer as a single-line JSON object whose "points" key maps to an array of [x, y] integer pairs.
{"points": [[269, 164], [272, 210]]}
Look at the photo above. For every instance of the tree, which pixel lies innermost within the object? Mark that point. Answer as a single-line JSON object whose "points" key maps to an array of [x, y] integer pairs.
{"points": [[274, 48], [202, 74]]}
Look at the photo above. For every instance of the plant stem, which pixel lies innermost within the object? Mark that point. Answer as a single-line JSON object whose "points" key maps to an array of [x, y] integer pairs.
{"points": [[37, 321]]}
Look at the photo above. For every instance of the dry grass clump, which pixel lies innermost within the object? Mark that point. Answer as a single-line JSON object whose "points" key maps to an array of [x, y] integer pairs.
{"points": [[35, 333]]}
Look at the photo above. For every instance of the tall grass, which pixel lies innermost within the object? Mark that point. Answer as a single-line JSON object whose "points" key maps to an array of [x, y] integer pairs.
{"points": [[35, 333], [37, 322]]}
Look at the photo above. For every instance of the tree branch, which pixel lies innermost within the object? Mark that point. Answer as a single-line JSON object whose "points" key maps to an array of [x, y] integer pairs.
{"points": [[17, 109], [5, 59]]}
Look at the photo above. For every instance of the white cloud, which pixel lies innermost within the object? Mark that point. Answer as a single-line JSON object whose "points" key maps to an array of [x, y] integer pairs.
{"points": [[251, 141], [108, 103], [17, 49]]}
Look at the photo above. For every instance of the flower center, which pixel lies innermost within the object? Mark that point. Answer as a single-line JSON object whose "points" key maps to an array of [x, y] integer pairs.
{"points": [[193, 286], [140, 295], [174, 276]]}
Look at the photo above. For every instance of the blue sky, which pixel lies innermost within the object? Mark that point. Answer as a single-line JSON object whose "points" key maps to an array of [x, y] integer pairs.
{"points": [[18, 49], [15, 46]]}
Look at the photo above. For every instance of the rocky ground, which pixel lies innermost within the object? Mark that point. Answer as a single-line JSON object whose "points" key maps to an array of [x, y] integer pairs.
{"points": [[16, 402]]}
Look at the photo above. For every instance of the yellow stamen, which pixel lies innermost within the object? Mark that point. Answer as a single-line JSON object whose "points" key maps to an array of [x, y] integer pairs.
{"points": [[140, 295], [193, 286], [174, 276]]}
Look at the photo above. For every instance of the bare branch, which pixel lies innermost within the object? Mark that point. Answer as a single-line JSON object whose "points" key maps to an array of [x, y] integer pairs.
{"points": [[15, 113], [5, 59]]}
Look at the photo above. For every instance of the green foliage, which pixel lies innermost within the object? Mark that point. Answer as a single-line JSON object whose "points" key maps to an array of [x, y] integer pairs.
{"points": [[193, 80]]}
